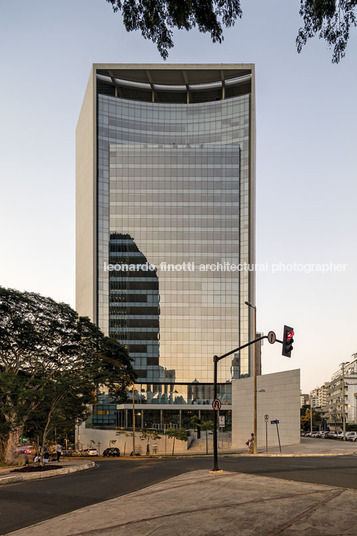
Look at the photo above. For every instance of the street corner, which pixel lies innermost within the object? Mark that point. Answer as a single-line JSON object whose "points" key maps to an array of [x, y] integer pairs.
{"points": [[12, 478]]}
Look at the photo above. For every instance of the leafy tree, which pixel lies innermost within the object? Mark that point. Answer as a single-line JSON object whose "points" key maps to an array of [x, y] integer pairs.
{"points": [[49, 355], [127, 434], [149, 435], [305, 419], [64, 413], [205, 426], [156, 19], [331, 20], [177, 433]]}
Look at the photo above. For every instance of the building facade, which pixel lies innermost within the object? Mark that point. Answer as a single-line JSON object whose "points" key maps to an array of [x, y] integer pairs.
{"points": [[342, 396], [319, 396], [165, 209], [278, 398], [304, 399]]}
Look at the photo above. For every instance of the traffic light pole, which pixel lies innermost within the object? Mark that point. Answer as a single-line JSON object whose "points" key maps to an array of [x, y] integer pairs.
{"points": [[217, 358], [215, 438]]}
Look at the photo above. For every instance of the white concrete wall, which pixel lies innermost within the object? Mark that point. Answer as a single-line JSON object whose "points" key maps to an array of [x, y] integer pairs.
{"points": [[281, 400], [90, 437]]}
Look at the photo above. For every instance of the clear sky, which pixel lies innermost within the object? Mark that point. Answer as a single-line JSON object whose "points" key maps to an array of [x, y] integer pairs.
{"points": [[306, 160]]}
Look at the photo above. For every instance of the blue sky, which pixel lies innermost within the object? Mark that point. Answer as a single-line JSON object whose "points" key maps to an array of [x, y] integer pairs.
{"points": [[306, 153]]}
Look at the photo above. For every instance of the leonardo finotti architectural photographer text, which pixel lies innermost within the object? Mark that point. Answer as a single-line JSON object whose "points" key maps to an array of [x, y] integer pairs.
{"points": [[306, 268]]}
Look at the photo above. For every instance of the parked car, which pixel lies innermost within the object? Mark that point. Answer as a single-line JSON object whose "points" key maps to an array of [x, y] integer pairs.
{"points": [[112, 451], [26, 450], [89, 452], [351, 436], [330, 435]]}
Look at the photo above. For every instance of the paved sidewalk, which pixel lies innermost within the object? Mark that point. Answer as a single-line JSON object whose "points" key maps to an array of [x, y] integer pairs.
{"points": [[72, 466], [200, 503], [314, 447], [307, 447]]}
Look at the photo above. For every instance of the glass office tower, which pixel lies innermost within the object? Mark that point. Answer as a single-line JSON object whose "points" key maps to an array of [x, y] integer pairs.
{"points": [[165, 220]]}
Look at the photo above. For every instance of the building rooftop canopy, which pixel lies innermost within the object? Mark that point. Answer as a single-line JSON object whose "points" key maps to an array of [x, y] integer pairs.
{"points": [[215, 80]]}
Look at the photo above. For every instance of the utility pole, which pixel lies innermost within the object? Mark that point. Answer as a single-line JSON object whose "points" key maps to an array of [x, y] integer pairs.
{"points": [[133, 419], [343, 405], [255, 426], [215, 439], [343, 399], [311, 427]]}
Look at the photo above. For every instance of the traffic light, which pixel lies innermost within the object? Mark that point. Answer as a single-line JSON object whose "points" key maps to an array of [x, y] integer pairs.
{"points": [[288, 341]]}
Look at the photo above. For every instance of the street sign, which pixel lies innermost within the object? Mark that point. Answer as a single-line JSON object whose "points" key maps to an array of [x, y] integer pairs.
{"points": [[266, 417], [271, 337], [222, 421], [216, 404], [276, 421]]}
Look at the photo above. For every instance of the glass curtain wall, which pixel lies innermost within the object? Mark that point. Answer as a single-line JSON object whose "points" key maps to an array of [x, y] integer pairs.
{"points": [[173, 180]]}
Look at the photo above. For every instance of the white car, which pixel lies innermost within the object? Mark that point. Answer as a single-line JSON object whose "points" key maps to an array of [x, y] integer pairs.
{"points": [[351, 436], [89, 452]]}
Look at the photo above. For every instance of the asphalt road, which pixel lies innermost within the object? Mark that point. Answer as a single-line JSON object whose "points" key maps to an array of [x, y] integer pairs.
{"points": [[26, 503]]}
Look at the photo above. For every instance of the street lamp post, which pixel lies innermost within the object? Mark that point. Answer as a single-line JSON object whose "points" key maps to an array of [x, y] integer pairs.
{"points": [[255, 376]]}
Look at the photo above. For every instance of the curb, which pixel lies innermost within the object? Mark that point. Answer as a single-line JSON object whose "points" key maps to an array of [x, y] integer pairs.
{"points": [[242, 455], [311, 455], [46, 474], [245, 455]]}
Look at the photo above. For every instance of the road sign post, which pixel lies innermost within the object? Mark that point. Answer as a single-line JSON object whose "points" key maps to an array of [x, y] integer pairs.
{"points": [[271, 337], [276, 421], [216, 404], [221, 424], [266, 418]]}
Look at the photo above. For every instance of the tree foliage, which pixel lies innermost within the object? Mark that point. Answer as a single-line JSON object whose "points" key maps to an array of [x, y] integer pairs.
{"points": [[150, 435], [305, 418], [176, 433], [48, 357], [66, 403], [156, 19], [203, 426], [331, 20]]}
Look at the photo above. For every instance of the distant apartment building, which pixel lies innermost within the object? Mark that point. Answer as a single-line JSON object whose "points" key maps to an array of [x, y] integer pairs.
{"points": [[319, 396], [342, 394], [304, 399]]}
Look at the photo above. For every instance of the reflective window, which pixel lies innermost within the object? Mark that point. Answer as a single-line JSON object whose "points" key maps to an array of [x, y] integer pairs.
{"points": [[173, 187]]}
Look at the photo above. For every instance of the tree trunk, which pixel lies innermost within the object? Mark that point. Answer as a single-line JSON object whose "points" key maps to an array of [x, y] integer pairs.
{"points": [[45, 432], [206, 441], [173, 446], [11, 453]]}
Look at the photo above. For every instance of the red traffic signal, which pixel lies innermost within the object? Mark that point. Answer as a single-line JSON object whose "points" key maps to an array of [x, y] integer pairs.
{"points": [[288, 341], [290, 335]]}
